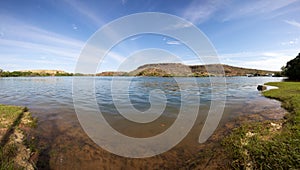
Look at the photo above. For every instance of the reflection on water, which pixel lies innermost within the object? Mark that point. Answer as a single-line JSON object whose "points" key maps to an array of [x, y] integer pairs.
{"points": [[65, 146]]}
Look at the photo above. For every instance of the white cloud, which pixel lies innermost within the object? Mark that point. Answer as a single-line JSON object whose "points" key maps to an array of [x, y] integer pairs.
{"points": [[178, 25], [39, 48], [117, 57], [17, 30], [135, 38], [124, 2], [200, 11], [74, 27], [251, 8], [173, 42], [290, 42], [85, 11], [147, 56], [193, 62], [28, 42], [293, 23], [271, 60]]}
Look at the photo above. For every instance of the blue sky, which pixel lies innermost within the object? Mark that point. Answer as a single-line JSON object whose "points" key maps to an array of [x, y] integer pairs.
{"points": [[35, 34]]}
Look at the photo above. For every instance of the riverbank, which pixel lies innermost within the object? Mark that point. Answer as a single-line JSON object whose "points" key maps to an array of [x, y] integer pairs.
{"points": [[16, 146], [269, 144]]}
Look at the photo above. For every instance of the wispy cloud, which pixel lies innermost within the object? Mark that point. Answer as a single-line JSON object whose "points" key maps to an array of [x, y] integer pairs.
{"points": [[179, 25], [124, 2], [293, 23], [251, 8], [38, 48], [84, 10], [74, 26], [290, 42], [18, 30], [196, 61], [200, 11], [28, 41], [135, 38], [117, 57], [270, 60], [173, 42]]}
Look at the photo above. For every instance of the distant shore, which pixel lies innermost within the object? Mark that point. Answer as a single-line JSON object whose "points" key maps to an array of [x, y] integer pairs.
{"points": [[158, 70]]}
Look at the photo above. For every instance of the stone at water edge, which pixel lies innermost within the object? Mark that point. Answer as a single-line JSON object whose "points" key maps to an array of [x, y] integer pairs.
{"points": [[261, 87]]}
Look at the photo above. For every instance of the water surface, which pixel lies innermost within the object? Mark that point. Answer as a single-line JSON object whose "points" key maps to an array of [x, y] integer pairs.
{"points": [[64, 144]]}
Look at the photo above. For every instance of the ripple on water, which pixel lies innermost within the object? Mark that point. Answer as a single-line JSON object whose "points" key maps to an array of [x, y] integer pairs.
{"points": [[65, 145]]}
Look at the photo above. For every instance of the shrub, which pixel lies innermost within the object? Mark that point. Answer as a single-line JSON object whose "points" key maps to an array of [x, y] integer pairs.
{"points": [[292, 68]]}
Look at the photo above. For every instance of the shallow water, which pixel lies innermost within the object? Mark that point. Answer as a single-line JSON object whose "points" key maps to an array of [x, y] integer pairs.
{"points": [[64, 144]]}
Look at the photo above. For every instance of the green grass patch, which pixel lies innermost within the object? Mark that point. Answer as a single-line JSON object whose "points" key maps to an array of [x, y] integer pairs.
{"points": [[10, 113], [11, 118], [7, 154], [269, 144]]}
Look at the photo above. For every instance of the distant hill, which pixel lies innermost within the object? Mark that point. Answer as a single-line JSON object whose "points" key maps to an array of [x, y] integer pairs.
{"points": [[177, 69], [230, 70], [162, 69], [159, 69]]}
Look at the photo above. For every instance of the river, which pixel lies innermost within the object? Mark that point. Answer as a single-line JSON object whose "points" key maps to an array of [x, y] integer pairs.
{"points": [[64, 144]]}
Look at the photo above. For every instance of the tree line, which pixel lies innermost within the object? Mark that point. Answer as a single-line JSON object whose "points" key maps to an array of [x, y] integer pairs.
{"points": [[30, 74]]}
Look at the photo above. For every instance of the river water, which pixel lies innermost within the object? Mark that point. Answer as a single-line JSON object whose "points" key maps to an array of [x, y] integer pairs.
{"points": [[64, 144]]}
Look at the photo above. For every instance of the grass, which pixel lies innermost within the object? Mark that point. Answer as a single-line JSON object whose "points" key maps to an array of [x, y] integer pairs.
{"points": [[11, 118], [8, 114], [7, 153], [269, 144]]}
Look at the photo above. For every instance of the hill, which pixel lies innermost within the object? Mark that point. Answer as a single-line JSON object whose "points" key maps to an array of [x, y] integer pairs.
{"points": [[162, 69], [229, 70], [111, 73], [178, 69]]}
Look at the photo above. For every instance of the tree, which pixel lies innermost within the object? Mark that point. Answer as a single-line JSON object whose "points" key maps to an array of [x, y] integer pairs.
{"points": [[292, 68]]}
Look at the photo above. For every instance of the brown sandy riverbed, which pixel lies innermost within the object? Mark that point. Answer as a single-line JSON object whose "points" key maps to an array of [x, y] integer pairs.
{"points": [[64, 145]]}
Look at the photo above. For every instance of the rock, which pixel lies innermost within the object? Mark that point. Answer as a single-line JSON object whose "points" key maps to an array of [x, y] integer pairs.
{"points": [[261, 87]]}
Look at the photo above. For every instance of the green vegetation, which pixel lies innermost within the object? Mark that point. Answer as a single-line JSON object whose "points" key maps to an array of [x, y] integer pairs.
{"points": [[153, 72], [8, 115], [63, 74], [12, 121], [269, 144], [18, 74], [201, 74], [292, 68], [7, 154], [30, 74]]}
